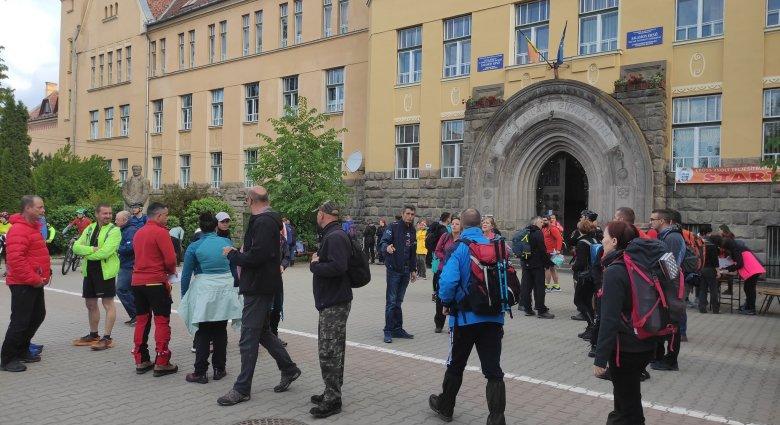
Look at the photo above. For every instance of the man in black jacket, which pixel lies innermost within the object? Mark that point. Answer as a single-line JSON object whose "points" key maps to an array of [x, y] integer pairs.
{"points": [[369, 241], [533, 271], [259, 282], [399, 243], [333, 299]]}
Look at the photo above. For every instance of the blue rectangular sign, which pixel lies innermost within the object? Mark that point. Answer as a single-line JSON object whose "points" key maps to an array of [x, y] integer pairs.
{"points": [[489, 63], [644, 38]]}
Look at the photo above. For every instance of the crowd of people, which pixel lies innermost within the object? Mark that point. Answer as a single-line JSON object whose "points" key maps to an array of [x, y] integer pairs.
{"points": [[134, 256]]}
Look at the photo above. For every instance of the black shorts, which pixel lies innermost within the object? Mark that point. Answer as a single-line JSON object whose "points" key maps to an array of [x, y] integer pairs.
{"points": [[96, 287]]}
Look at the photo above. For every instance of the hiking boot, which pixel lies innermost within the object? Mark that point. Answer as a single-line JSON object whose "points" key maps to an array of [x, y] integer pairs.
{"points": [[219, 374], [662, 365], [284, 384], [197, 378], [438, 330], [144, 367], [433, 403], [233, 397], [402, 334], [317, 398], [579, 317], [546, 315], [530, 313], [325, 410], [14, 366], [388, 337], [165, 369], [644, 376], [86, 340], [104, 344], [29, 358]]}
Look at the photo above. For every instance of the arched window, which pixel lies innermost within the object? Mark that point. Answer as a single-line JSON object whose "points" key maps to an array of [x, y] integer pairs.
{"points": [[106, 11], [116, 8], [111, 10]]}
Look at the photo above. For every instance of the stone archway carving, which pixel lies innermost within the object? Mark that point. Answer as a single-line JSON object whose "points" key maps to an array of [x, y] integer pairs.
{"points": [[507, 154]]}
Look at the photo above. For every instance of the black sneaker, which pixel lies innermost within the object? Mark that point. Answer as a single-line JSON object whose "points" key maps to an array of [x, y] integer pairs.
{"points": [[747, 312], [402, 334], [592, 352], [433, 403], [219, 374], [14, 366], [437, 330], [325, 410], [579, 317], [530, 313], [546, 315], [661, 365], [644, 376], [284, 384]]}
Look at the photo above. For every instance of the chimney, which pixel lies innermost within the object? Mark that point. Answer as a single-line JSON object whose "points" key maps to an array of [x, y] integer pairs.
{"points": [[50, 88]]}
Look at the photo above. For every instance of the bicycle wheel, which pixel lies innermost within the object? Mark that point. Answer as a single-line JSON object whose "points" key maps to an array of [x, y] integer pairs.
{"points": [[76, 262], [66, 261]]}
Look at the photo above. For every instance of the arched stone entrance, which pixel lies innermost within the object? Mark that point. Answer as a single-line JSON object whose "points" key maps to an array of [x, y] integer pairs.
{"points": [[506, 157]]}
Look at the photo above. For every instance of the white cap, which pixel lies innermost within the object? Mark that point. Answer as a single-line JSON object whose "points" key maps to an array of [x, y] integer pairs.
{"points": [[222, 216]]}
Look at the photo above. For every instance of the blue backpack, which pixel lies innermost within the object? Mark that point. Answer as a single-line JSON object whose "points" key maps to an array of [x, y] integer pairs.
{"points": [[521, 244]]}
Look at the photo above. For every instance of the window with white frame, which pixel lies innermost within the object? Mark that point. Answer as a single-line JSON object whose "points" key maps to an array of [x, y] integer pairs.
{"points": [[696, 131], [192, 48], [290, 91], [250, 161], [93, 124], [451, 144], [212, 42], [157, 108], [124, 120], [119, 65], [283, 25], [407, 151], [772, 13], [163, 58], [343, 16], [110, 67], [334, 88], [152, 58], [252, 101], [598, 26], [108, 166], [223, 47], [186, 112], [457, 46], [100, 76], [298, 21], [772, 124], [122, 170], [156, 172], [245, 35], [258, 31], [92, 80], [699, 19], [217, 99], [128, 50], [184, 170], [216, 169], [327, 15], [181, 50], [108, 129], [532, 23], [410, 55]]}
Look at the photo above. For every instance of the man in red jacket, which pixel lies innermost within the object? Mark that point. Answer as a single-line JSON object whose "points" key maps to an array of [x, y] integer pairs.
{"points": [[29, 269], [155, 263]]}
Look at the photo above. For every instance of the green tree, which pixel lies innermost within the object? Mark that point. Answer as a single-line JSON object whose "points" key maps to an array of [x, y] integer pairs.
{"points": [[177, 198], [196, 208], [15, 163], [301, 167], [68, 179]]}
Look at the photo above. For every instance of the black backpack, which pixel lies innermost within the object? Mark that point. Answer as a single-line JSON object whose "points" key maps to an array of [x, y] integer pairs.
{"points": [[358, 270], [521, 244], [433, 235]]}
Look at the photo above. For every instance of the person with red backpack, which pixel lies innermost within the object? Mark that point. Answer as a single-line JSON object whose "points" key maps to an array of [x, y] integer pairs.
{"points": [[470, 328], [620, 346]]}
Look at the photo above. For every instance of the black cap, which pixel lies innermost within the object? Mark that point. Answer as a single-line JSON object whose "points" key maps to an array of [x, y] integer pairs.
{"points": [[590, 215], [330, 208]]}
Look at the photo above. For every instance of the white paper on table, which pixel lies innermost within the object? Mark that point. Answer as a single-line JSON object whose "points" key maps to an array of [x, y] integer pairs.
{"points": [[173, 279], [725, 262]]}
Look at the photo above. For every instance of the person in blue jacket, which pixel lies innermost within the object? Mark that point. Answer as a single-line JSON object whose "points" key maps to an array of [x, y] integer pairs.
{"points": [[469, 329], [124, 290]]}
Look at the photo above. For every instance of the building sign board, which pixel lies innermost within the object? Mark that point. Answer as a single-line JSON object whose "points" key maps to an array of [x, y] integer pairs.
{"points": [[489, 63], [724, 175], [644, 38]]}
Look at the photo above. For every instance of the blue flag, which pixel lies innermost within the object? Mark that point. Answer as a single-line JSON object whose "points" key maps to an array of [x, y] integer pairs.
{"points": [[559, 59]]}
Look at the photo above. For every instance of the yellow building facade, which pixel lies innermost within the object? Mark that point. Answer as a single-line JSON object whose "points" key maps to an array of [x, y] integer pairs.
{"points": [[184, 87]]}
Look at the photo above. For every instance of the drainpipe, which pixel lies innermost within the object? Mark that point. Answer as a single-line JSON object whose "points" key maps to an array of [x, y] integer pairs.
{"points": [[146, 105], [74, 112]]}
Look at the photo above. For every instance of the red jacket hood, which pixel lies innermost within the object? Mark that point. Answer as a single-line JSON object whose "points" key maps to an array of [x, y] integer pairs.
{"points": [[19, 219]]}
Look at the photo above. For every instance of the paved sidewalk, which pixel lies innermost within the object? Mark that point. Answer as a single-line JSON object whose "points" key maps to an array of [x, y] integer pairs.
{"points": [[729, 369]]}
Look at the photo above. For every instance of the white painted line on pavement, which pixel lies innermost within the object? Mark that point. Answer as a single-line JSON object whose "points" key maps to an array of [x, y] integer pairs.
{"points": [[522, 378]]}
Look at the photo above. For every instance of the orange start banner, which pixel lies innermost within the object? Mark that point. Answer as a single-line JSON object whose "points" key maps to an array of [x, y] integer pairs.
{"points": [[754, 174]]}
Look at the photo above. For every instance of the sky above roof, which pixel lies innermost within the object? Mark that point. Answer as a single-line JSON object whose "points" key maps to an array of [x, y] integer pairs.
{"points": [[29, 30]]}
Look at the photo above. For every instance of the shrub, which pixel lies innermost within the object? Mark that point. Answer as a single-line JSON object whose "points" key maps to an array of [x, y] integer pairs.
{"points": [[210, 204], [59, 217], [67, 179], [173, 221], [179, 198]]}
